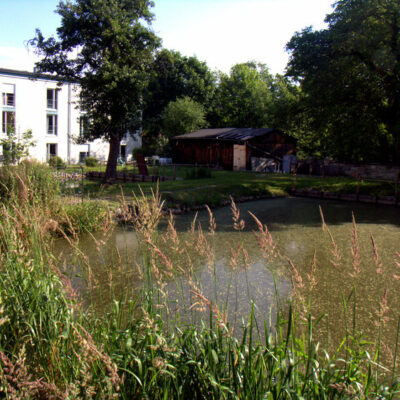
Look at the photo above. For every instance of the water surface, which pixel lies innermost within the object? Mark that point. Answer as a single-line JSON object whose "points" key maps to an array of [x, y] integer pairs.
{"points": [[296, 227]]}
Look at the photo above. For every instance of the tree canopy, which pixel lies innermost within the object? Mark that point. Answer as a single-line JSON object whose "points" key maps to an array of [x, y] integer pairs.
{"points": [[243, 98], [108, 46], [181, 116], [250, 96], [350, 81], [174, 76]]}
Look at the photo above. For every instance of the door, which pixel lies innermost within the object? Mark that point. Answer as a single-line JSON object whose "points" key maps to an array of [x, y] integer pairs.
{"points": [[239, 157]]}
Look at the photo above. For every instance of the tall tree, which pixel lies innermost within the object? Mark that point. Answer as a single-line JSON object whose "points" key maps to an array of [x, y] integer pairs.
{"points": [[175, 76], [350, 78], [243, 98], [108, 46], [250, 96]]}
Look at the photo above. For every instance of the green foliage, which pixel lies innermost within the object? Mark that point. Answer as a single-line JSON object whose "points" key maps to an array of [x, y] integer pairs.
{"points": [[88, 216], [349, 75], [56, 162], [52, 347], [106, 45], [198, 173], [40, 326], [15, 148], [175, 76], [251, 97], [183, 116], [91, 161], [30, 181], [243, 98], [136, 151]]}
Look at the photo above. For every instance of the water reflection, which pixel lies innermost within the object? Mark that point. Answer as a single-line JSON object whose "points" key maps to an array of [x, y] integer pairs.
{"points": [[296, 226]]}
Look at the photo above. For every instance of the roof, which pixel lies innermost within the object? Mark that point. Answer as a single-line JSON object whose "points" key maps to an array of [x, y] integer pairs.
{"points": [[204, 134], [33, 75], [234, 134]]}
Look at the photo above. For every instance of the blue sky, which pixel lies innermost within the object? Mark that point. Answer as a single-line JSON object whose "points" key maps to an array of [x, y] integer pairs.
{"points": [[220, 32]]}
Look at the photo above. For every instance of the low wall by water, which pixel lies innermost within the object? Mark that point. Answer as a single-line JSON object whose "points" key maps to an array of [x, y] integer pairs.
{"points": [[364, 171], [129, 177], [363, 198]]}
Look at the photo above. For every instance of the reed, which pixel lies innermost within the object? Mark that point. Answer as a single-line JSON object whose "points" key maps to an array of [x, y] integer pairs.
{"points": [[140, 347]]}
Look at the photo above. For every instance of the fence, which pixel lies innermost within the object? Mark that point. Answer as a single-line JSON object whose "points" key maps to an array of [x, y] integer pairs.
{"points": [[71, 180]]}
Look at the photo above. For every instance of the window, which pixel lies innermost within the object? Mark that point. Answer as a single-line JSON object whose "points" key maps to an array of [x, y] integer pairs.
{"points": [[52, 98], [122, 151], [82, 156], [8, 93], [52, 124], [51, 150], [83, 126], [8, 120]]}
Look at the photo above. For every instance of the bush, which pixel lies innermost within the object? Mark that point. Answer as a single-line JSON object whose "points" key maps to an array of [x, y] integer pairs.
{"points": [[83, 217], [198, 173], [56, 162], [91, 162], [136, 151], [29, 181]]}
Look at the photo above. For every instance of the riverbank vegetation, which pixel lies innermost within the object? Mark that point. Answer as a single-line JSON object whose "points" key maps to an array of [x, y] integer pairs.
{"points": [[34, 187], [216, 187], [54, 345]]}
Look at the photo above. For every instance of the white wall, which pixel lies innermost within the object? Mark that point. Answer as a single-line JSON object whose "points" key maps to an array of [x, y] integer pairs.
{"points": [[31, 113]]}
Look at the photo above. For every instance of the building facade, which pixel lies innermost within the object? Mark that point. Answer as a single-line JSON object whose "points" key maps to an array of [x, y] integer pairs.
{"points": [[50, 109], [234, 148]]}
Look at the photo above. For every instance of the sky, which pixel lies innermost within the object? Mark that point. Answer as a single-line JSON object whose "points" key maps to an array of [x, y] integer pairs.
{"points": [[219, 32]]}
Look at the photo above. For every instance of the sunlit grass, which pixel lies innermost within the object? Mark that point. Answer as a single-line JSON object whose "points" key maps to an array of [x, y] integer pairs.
{"points": [[223, 184]]}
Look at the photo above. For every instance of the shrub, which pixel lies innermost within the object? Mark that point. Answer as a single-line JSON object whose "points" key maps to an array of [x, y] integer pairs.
{"points": [[198, 173], [30, 182], [56, 162], [136, 151], [91, 162], [83, 217], [16, 148]]}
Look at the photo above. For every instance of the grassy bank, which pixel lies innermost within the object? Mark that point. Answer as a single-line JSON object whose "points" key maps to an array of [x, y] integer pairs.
{"points": [[32, 186], [217, 189], [139, 347]]}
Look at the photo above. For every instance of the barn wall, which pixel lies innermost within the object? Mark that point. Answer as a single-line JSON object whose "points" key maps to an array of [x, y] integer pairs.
{"points": [[204, 152], [275, 143], [220, 153]]}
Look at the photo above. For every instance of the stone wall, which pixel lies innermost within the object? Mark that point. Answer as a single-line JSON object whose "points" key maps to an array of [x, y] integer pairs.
{"points": [[364, 171]]}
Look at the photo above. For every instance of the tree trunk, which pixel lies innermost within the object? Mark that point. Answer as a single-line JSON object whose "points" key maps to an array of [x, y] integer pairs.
{"points": [[111, 170]]}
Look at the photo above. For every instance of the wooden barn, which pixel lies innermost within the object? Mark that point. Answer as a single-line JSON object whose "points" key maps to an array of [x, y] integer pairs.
{"points": [[232, 148]]}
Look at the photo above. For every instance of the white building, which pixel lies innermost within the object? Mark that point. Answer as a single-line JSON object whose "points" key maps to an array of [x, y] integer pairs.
{"points": [[51, 110]]}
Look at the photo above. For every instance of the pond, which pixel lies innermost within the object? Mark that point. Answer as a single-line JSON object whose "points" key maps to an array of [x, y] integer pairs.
{"points": [[356, 273]]}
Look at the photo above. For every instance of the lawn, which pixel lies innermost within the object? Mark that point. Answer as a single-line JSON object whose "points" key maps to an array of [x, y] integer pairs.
{"points": [[218, 188]]}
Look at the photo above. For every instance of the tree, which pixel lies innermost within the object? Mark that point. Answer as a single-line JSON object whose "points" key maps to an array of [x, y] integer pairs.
{"points": [[174, 76], [243, 98], [15, 148], [107, 45], [350, 79], [182, 116]]}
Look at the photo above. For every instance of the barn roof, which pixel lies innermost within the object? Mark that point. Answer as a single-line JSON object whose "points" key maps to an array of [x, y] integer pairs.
{"points": [[240, 134]]}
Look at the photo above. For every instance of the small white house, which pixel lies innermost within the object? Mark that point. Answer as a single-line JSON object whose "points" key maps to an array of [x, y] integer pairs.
{"points": [[51, 110]]}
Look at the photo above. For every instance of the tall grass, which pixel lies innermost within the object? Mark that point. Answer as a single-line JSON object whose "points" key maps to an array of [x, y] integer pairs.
{"points": [[141, 347]]}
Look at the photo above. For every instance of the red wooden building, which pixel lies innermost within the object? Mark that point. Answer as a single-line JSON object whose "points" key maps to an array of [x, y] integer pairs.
{"points": [[232, 148]]}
